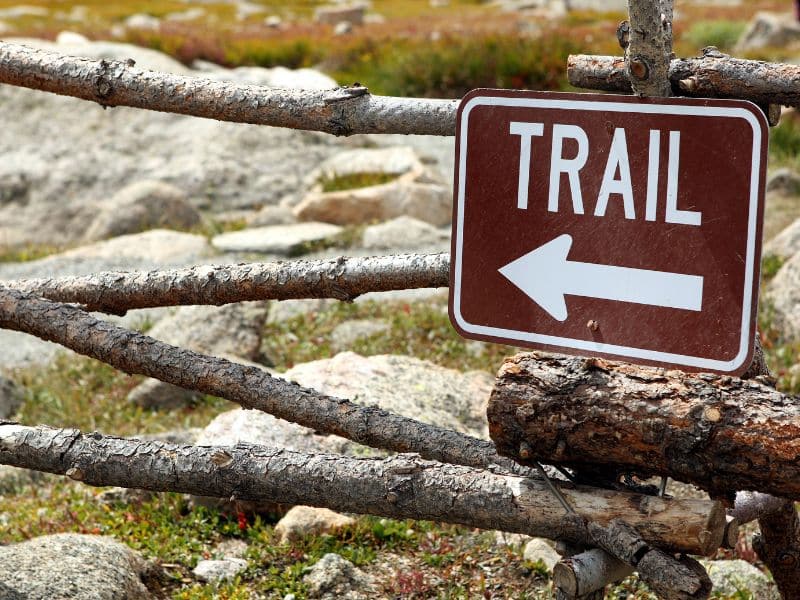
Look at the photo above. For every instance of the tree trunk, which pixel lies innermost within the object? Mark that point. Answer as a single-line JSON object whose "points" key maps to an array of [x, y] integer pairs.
{"points": [[401, 486], [340, 111], [778, 545], [340, 278], [720, 433], [713, 75]]}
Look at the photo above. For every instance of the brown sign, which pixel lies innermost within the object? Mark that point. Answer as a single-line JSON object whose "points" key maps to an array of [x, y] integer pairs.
{"points": [[610, 226]]}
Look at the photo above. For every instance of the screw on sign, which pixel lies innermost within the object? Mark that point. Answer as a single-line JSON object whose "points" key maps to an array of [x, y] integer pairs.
{"points": [[610, 226]]}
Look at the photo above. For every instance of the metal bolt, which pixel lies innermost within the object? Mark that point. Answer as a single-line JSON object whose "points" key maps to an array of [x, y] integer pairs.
{"points": [[639, 68], [75, 473]]}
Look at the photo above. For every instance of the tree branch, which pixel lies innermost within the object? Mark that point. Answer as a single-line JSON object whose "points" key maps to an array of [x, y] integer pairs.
{"points": [[720, 433], [649, 47], [778, 545], [714, 75], [340, 111], [340, 278], [250, 387], [400, 486]]}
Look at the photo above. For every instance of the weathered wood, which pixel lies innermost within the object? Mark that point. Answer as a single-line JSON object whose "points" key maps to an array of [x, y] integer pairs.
{"points": [[341, 278], [670, 578], [723, 434], [248, 386], [340, 111], [649, 47], [588, 572], [778, 545], [751, 506], [713, 75], [401, 486]]}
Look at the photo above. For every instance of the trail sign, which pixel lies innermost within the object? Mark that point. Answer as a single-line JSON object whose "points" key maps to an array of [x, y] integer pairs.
{"points": [[610, 226]]}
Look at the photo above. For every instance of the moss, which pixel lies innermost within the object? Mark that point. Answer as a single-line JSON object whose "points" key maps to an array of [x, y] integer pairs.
{"points": [[354, 181]]}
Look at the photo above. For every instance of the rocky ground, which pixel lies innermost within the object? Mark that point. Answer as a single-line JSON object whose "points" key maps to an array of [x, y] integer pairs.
{"points": [[84, 189]]}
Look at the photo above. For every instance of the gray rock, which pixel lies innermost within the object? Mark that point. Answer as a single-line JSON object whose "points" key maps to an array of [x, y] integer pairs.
{"points": [[338, 13], [406, 233], [303, 521], [538, 549], [272, 215], [142, 21], [429, 202], [282, 311], [786, 244], [333, 577], [275, 239], [769, 30], [783, 295], [11, 398], [213, 571], [45, 189], [345, 334], [153, 393], [303, 79], [120, 495], [430, 393], [734, 577], [79, 567], [19, 350], [141, 206], [395, 160], [232, 329], [13, 478], [342, 28], [784, 180]]}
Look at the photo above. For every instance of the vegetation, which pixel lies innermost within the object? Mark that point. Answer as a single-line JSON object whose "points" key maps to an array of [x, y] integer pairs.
{"points": [[354, 181]]}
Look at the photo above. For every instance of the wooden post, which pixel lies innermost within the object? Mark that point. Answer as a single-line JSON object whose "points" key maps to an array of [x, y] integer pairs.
{"points": [[649, 51]]}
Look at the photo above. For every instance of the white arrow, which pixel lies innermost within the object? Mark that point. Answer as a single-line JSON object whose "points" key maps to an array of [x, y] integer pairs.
{"points": [[545, 275]]}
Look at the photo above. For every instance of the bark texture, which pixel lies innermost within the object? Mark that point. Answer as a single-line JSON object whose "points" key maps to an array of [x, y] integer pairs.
{"points": [[340, 111], [401, 486], [720, 433], [340, 278], [250, 387], [713, 75], [778, 545], [649, 47], [670, 578]]}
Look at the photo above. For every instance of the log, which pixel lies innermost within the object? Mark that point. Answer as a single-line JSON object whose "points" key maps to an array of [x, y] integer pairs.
{"points": [[720, 433], [402, 486], [588, 572], [340, 278], [670, 578], [751, 506], [778, 545], [341, 111], [713, 75], [251, 387]]}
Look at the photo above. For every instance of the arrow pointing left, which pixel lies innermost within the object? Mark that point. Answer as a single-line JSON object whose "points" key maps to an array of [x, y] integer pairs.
{"points": [[546, 276]]}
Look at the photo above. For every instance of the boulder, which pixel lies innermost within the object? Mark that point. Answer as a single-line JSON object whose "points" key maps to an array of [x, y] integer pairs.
{"points": [[783, 296], [335, 578], [394, 160], [769, 30], [786, 244], [784, 180], [338, 13], [142, 21], [739, 579], [280, 77], [287, 240], [347, 333], [271, 215], [431, 202], [141, 206], [11, 398], [539, 550], [79, 567], [155, 394], [303, 521], [408, 386], [406, 233], [214, 571]]}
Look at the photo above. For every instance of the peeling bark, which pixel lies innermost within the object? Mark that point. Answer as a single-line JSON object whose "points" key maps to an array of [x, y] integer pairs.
{"points": [[720, 433], [587, 573], [401, 486], [714, 75], [250, 387], [341, 111], [340, 278]]}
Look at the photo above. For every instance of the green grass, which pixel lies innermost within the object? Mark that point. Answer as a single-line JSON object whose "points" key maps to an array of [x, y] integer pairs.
{"points": [[27, 253], [353, 181], [720, 33]]}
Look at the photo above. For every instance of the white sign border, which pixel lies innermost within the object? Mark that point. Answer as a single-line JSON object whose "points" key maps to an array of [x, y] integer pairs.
{"points": [[745, 343]]}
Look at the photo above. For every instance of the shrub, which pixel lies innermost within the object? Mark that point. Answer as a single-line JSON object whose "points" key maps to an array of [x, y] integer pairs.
{"points": [[720, 33]]}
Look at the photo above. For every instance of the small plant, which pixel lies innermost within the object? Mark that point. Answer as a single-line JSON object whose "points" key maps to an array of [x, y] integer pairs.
{"points": [[720, 33], [353, 181]]}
